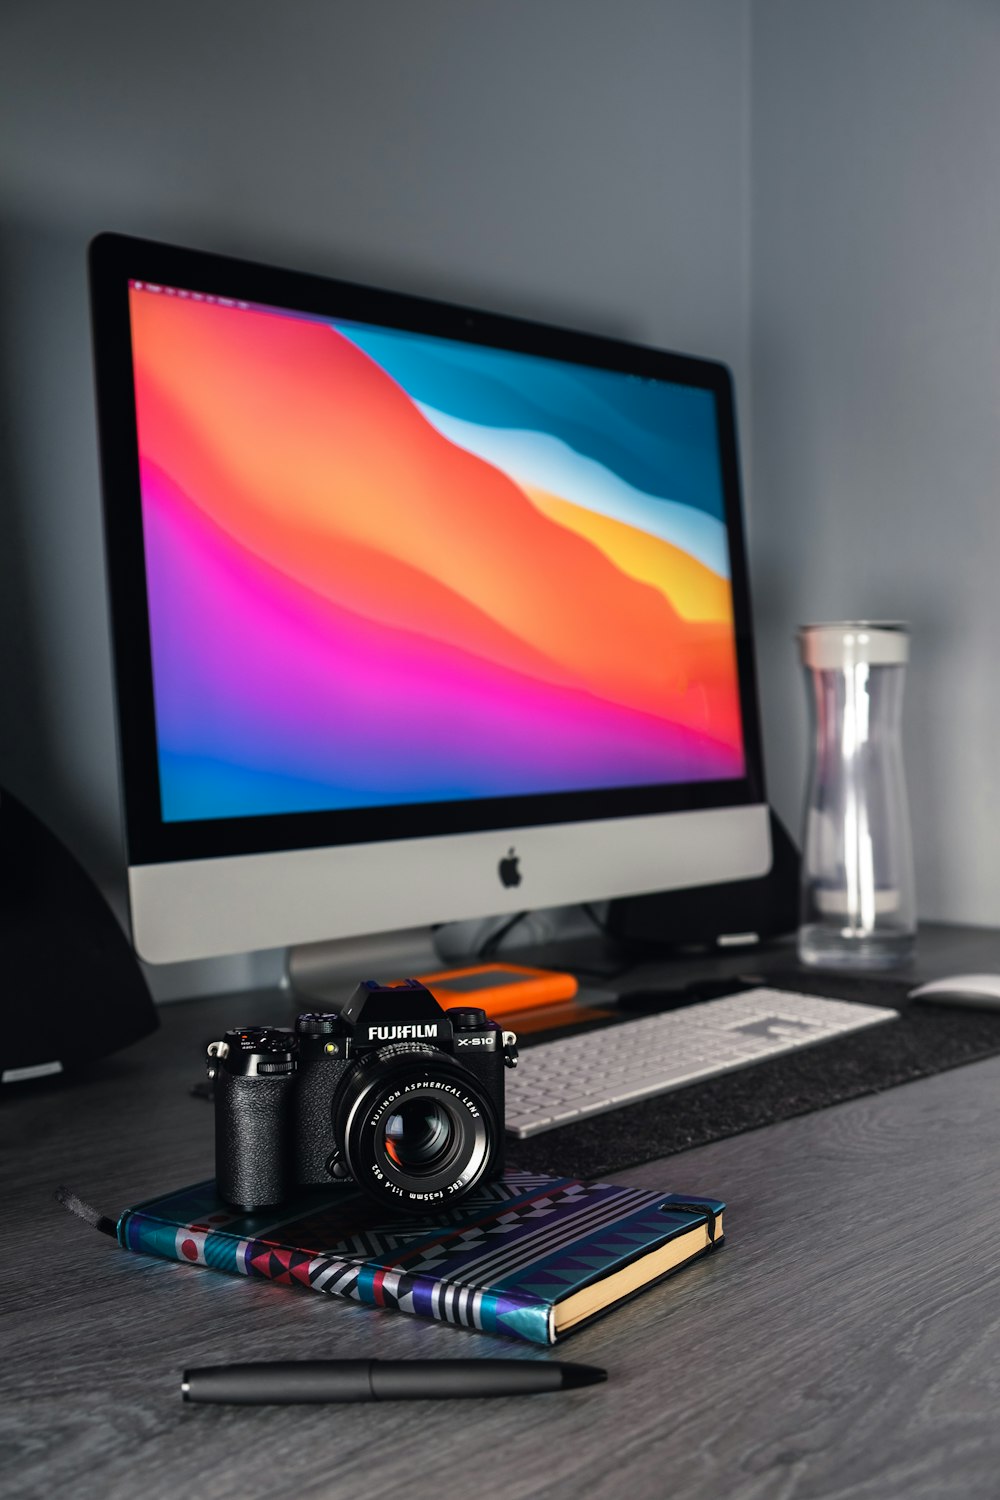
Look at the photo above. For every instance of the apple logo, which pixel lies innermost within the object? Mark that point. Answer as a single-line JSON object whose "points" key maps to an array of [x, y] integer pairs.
{"points": [[509, 872]]}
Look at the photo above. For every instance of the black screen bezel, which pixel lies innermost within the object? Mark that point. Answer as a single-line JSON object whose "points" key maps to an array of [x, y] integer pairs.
{"points": [[115, 260]]}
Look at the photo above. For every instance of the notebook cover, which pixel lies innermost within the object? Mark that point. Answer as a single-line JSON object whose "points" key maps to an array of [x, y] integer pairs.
{"points": [[500, 1263]]}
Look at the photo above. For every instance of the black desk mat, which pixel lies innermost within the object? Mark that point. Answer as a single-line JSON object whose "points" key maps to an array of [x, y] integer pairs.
{"points": [[926, 1039]]}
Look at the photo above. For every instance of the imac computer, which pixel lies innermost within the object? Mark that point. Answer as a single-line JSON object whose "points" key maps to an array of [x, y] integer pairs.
{"points": [[419, 613]]}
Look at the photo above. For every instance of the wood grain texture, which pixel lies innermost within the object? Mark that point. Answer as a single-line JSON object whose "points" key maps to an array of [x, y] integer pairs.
{"points": [[841, 1345]]}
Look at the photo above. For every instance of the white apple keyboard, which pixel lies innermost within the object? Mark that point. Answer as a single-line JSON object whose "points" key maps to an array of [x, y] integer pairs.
{"points": [[587, 1074]]}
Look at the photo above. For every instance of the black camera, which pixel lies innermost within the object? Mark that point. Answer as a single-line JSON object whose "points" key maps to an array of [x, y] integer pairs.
{"points": [[392, 1093]]}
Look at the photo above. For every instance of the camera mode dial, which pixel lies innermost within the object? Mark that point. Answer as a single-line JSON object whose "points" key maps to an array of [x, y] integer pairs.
{"points": [[316, 1023]]}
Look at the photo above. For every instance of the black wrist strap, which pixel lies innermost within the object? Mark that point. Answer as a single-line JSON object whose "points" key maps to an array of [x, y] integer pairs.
{"points": [[76, 1205]]}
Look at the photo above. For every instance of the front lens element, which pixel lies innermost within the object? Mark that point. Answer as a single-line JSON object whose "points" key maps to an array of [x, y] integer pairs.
{"points": [[418, 1136]]}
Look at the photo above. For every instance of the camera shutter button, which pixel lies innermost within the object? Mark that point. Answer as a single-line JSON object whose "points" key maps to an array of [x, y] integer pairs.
{"points": [[466, 1017]]}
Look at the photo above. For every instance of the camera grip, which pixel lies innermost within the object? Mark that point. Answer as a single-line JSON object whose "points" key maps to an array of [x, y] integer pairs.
{"points": [[252, 1139]]}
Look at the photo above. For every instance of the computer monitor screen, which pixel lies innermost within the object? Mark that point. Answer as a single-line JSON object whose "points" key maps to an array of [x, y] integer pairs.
{"points": [[419, 613]]}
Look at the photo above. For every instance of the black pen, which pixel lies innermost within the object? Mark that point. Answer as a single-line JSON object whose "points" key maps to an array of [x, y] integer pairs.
{"points": [[317, 1380]]}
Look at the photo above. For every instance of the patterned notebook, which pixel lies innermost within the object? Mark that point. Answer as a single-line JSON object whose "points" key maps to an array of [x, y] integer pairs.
{"points": [[531, 1256]]}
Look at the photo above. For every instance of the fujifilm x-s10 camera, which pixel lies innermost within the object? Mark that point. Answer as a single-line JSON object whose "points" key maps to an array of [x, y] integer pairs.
{"points": [[391, 1092]]}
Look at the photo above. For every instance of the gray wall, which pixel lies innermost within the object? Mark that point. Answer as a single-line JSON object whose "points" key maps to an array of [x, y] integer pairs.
{"points": [[589, 164], [571, 160], [875, 299]]}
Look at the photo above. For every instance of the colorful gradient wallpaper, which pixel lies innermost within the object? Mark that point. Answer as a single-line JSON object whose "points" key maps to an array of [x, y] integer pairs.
{"points": [[387, 569]]}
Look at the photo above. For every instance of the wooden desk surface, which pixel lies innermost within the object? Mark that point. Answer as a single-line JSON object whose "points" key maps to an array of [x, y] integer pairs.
{"points": [[843, 1344]]}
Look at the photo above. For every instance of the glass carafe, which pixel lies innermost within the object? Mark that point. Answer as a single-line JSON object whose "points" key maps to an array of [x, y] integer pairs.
{"points": [[858, 907]]}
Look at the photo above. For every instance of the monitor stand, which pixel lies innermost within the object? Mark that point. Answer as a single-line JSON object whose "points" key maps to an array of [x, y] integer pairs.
{"points": [[329, 972]]}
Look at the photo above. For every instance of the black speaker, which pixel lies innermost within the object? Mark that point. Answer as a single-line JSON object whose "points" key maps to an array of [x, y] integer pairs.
{"points": [[710, 916], [72, 988]]}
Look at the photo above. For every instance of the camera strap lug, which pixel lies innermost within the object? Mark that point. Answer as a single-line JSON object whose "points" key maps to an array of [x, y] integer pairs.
{"points": [[216, 1051], [509, 1049]]}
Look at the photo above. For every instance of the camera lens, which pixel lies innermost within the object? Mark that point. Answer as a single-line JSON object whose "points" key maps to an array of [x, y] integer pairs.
{"points": [[417, 1136], [415, 1128]]}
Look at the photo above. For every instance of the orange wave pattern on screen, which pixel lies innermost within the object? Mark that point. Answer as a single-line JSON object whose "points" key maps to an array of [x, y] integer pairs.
{"points": [[694, 590]]}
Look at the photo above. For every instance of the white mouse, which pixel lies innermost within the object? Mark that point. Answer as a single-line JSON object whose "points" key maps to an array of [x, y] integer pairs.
{"points": [[961, 989]]}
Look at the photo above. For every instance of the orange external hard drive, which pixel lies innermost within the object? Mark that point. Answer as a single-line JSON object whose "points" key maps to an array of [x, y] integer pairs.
{"points": [[499, 989]]}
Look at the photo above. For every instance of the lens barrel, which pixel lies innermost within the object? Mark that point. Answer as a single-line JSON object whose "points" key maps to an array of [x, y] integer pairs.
{"points": [[414, 1127]]}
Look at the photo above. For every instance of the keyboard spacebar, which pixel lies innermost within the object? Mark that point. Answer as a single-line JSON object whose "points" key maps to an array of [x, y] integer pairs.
{"points": [[533, 1121]]}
